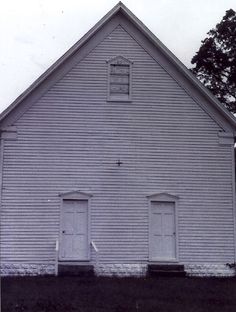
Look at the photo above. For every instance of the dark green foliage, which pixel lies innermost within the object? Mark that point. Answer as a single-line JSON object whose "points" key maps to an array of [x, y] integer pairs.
{"points": [[75, 294], [215, 62]]}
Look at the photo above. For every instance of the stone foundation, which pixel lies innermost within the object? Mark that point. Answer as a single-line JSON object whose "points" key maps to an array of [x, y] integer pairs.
{"points": [[207, 270], [120, 270], [14, 269], [126, 269], [139, 270]]}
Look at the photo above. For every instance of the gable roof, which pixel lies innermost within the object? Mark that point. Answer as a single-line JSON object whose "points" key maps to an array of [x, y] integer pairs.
{"points": [[217, 111]]}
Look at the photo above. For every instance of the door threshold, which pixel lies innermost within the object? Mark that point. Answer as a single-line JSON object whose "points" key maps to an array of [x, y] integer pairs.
{"points": [[163, 262], [73, 262]]}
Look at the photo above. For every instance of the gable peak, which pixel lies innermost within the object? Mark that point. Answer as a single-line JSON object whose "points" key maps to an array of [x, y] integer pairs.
{"points": [[219, 113]]}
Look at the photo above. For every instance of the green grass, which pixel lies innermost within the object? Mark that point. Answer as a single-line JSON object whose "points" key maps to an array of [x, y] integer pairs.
{"points": [[67, 294]]}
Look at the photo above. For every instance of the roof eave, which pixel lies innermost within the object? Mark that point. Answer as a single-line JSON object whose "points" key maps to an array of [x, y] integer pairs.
{"points": [[220, 107], [61, 60]]}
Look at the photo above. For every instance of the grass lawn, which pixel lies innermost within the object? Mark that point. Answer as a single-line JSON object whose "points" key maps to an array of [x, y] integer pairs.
{"points": [[47, 294]]}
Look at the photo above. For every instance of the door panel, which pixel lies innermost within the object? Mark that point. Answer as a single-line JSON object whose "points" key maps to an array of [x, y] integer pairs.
{"points": [[162, 231], [74, 230]]}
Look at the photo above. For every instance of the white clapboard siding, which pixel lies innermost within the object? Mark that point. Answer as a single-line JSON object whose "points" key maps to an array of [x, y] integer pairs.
{"points": [[72, 138]]}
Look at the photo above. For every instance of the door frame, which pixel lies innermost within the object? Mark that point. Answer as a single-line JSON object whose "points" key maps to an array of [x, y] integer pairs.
{"points": [[75, 195], [163, 197]]}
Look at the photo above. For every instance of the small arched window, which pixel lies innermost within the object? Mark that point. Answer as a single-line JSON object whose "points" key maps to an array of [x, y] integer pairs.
{"points": [[119, 79]]}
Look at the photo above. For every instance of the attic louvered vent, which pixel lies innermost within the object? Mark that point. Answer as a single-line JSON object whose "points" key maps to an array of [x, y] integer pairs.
{"points": [[119, 79]]}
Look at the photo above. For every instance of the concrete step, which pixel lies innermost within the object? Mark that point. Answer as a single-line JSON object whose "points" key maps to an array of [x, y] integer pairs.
{"points": [[75, 270], [166, 270], [167, 267]]}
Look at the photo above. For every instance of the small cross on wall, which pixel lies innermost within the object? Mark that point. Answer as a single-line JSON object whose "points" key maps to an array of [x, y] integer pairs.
{"points": [[119, 162]]}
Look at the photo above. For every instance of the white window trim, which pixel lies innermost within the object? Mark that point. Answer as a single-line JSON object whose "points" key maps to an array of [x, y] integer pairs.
{"points": [[112, 98]]}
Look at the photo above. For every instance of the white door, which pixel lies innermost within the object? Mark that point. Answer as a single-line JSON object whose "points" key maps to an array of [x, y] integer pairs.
{"points": [[162, 231], [74, 230]]}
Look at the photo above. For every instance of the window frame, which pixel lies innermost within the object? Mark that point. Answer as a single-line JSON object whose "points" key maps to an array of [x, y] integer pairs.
{"points": [[119, 60]]}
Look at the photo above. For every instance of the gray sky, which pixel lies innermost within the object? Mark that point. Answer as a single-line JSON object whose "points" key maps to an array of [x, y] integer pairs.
{"points": [[35, 33]]}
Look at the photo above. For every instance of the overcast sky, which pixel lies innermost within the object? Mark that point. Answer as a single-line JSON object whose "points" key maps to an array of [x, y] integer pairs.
{"points": [[35, 33]]}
